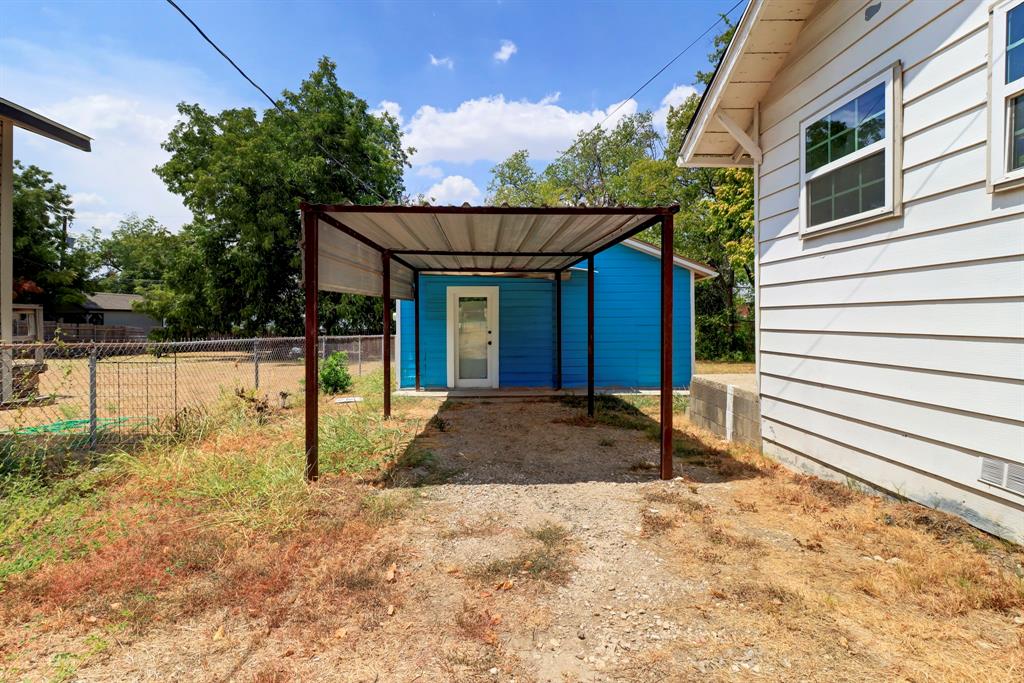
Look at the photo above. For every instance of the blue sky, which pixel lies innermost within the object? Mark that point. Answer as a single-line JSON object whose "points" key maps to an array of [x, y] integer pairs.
{"points": [[471, 82]]}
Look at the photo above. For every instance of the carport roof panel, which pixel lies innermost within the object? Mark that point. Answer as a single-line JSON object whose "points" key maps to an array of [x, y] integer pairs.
{"points": [[488, 238]]}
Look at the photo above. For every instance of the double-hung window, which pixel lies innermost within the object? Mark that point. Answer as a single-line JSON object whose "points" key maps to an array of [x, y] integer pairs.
{"points": [[847, 158], [1006, 88]]}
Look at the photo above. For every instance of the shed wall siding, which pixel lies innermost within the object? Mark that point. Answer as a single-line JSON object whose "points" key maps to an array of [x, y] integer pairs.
{"points": [[893, 352], [627, 326]]}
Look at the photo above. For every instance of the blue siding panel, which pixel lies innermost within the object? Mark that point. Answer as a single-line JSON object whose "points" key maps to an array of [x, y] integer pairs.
{"points": [[627, 328], [525, 330]]}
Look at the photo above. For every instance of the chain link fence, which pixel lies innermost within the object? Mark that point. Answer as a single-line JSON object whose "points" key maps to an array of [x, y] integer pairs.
{"points": [[82, 396]]}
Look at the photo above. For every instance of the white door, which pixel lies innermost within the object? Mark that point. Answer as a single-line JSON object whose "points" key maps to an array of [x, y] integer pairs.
{"points": [[472, 336]]}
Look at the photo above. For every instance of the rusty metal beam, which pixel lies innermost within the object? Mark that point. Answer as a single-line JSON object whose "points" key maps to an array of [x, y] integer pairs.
{"points": [[667, 274], [416, 326], [385, 262], [506, 210], [310, 279], [558, 330]]}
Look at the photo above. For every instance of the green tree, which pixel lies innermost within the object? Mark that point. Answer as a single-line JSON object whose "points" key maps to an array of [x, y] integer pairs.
{"points": [[136, 256], [632, 164], [48, 270], [236, 269]]}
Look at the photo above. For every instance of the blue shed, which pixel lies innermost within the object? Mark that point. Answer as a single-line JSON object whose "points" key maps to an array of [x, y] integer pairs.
{"points": [[499, 330]]}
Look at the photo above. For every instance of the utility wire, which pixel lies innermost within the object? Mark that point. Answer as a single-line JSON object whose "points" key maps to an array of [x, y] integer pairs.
{"points": [[270, 99], [366, 186], [656, 74]]}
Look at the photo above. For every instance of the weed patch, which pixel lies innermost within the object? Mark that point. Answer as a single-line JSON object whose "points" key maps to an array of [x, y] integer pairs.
{"points": [[549, 560]]}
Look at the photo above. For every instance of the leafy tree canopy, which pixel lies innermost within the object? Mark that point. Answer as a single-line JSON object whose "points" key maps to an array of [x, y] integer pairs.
{"points": [[47, 270], [135, 257], [236, 266], [633, 164]]}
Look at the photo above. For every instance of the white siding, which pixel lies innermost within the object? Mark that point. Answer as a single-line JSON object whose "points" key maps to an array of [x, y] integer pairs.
{"points": [[893, 352]]}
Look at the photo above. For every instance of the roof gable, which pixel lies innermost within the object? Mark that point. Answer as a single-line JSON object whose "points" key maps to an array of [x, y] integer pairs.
{"points": [[699, 270], [722, 131]]}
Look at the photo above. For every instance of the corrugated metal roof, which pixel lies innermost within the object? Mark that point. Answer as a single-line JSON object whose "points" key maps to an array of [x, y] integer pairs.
{"points": [[111, 301], [462, 239]]}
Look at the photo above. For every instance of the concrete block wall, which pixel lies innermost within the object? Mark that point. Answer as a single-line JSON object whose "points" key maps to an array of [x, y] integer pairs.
{"points": [[727, 410]]}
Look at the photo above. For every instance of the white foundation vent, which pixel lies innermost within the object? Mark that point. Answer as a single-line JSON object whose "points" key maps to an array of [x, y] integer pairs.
{"points": [[1005, 475]]}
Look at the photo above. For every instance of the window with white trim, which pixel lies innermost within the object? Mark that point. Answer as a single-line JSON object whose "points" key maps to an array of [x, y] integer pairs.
{"points": [[1006, 103], [847, 158]]}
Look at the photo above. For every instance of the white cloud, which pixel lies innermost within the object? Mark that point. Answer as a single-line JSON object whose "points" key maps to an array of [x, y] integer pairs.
{"points": [[454, 189], [429, 171], [491, 128], [676, 96], [125, 102], [79, 199], [505, 52], [393, 108], [445, 62]]}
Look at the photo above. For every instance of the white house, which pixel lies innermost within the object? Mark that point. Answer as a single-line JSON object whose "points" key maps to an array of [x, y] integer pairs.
{"points": [[886, 140]]}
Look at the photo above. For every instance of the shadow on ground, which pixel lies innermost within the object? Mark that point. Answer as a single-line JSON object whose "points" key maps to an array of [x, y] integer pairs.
{"points": [[553, 441]]}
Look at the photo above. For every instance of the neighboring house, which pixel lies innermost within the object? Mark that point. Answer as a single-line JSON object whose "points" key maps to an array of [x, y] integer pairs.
{"points": [[110, 309], [887, 146], [499, 331]]}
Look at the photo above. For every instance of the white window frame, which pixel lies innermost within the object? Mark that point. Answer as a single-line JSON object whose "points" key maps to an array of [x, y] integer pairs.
{"points": [[999, 96], [891, 77]]}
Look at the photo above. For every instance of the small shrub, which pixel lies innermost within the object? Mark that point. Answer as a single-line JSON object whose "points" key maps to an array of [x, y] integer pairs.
{"points": [[334, 375]]}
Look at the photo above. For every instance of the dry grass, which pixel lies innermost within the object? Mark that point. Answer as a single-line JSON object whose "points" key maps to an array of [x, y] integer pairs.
{"points": [[547, 559], [840, 585], [822, 581], [711, 367]]}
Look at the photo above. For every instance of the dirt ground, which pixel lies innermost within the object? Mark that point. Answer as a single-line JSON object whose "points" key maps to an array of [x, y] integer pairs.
{"points": [[538, 545]]}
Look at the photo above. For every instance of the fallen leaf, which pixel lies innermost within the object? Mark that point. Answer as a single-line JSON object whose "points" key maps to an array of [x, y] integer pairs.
{"points": [[392, 570], [219, 633], [486, 594], [91, 619], [115, 605], [391, 610], [340, 633]]}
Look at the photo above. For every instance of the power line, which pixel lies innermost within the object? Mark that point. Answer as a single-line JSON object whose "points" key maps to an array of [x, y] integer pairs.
{"points": [[270, 99], [656, 74]]}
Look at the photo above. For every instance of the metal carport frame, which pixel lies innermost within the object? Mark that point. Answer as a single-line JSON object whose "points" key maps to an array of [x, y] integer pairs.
{"points": [[382, 250]]}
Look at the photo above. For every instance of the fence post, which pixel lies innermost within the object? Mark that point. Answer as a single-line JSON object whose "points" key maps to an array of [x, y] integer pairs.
{"points": [[92, 396], [360, 338], [323, 348], [256, 361], [174, 356]]}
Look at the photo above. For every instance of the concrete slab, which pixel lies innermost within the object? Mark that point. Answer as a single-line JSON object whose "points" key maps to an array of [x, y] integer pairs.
{"points": [[526, 392]]}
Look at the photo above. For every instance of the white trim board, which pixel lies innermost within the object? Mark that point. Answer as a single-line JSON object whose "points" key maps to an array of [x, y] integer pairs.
{"points": [[452, 294], [699, 269]]}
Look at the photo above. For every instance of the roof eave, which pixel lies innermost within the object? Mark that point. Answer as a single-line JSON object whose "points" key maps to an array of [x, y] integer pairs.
{"points": [[687, 157], [40, 125]]}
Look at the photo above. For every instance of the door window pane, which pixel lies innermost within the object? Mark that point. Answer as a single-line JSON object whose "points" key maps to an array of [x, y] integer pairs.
{"points": [[847, 191], [472, 360]]}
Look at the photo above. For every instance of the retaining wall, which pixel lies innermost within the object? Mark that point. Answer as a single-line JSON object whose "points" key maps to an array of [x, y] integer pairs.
{"points": [[727, 407]]}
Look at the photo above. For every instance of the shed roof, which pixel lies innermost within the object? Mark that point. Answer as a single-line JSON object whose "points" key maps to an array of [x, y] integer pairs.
{"points": [[722, 130], [39, 124], [464, 239], [111, 301]]}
